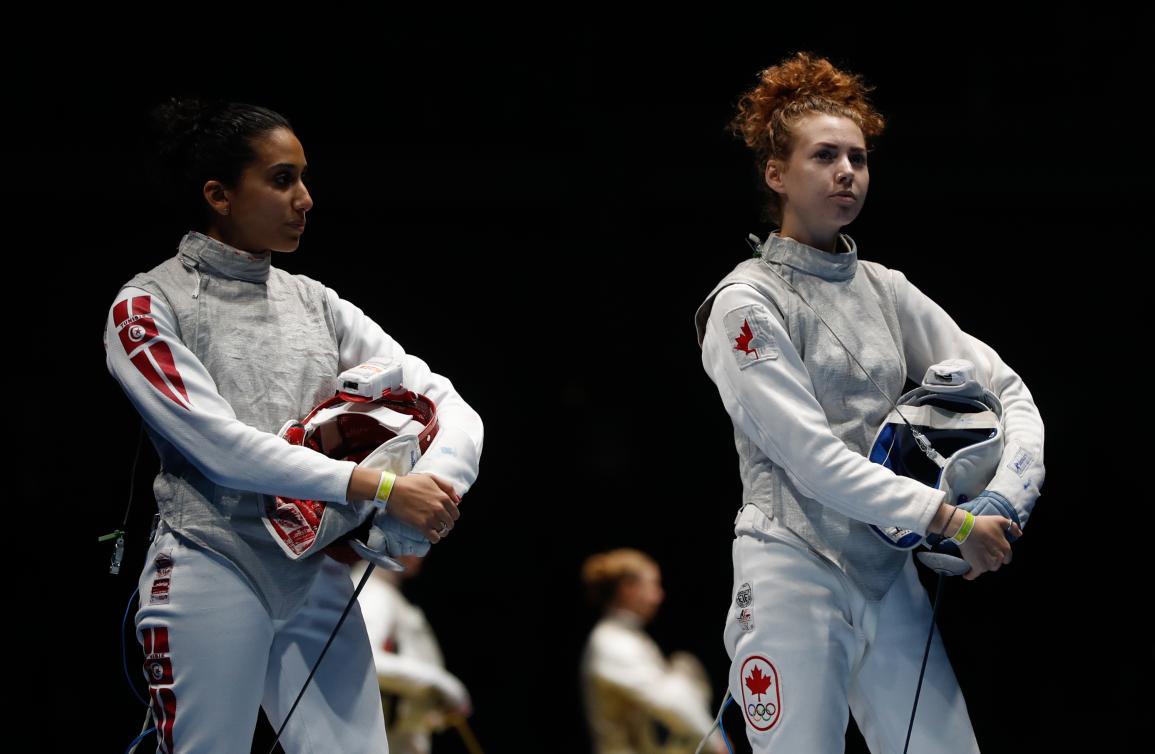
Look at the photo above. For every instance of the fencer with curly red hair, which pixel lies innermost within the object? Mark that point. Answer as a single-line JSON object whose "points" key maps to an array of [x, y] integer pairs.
{"points": [[827, 616]]}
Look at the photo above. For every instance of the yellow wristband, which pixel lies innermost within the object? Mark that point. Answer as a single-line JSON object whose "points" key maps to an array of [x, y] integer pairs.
{"points": [[964, 531], [385, 487]]}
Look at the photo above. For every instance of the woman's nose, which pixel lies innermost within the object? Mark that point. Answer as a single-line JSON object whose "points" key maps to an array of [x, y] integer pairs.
{"points": [[304, 200], [844, 171]]}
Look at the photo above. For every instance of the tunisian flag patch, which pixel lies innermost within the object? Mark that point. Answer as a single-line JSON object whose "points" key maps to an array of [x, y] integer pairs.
{"points": [[147, 351], [748, 331]]}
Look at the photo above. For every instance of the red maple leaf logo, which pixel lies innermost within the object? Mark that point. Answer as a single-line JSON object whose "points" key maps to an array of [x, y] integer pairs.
{"points": [[757, 682], [742, 342]]}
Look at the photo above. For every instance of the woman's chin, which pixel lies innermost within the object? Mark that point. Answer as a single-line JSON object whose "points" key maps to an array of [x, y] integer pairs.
{"points": [[285, 247]]}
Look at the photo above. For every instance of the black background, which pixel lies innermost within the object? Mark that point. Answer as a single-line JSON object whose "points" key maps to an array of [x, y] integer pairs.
{"points": [[536, 207]]}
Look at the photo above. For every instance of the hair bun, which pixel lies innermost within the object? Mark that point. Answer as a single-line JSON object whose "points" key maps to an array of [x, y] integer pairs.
{"points": [[179, 120], [806, 77]]}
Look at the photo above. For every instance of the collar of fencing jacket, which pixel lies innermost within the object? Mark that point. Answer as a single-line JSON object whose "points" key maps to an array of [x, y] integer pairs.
{"points": [[810, 260], [223, 259]]}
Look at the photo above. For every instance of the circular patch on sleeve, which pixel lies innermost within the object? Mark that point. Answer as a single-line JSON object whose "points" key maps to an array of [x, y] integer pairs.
{"points": [[761, 695]]}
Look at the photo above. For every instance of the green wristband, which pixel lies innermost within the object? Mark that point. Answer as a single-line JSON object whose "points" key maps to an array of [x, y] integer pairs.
{"points": [[385, 488], [964, 531]]}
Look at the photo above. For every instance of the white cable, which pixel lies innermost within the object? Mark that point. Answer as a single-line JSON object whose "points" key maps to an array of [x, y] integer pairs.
{"points": [[143, 728], [717, 723]]}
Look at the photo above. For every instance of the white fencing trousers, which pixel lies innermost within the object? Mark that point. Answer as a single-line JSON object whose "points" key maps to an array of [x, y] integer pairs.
{"points": [[805, 645], [213, 656]]}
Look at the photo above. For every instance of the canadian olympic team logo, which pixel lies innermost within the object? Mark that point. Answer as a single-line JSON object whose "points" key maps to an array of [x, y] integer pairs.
{"points": [[761, 696]]}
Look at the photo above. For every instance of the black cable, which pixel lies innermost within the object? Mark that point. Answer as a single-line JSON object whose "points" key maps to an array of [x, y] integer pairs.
{"points": [[118, 535], [925, 656], [132, 479], [317, 664]]}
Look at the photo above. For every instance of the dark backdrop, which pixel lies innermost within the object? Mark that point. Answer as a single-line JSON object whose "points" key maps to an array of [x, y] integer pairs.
{"points": [[537, 208]]}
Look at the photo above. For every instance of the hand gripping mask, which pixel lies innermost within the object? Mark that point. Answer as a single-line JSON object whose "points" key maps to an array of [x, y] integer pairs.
{"points": [[962, 422], [374, 421]]}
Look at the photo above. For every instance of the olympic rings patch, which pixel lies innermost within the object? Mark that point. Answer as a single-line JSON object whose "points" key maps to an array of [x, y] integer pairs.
{"points": [[761, 695], [762, 712]]}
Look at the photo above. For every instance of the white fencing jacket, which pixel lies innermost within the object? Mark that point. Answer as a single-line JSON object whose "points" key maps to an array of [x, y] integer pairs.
{"points": [[805, 414], [216, 349]]}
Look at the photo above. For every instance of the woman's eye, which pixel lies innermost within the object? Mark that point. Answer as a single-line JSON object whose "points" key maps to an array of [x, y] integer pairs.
{"points": [[824, 154], [282, 179], [858, 159]]}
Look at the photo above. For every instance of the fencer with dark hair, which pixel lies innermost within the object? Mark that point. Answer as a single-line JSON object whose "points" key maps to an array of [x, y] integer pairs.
{"points": [[218, 348]]}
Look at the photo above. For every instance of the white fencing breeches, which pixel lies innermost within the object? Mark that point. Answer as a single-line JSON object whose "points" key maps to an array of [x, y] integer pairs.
{"points": [[806, 646], [213, 656]]}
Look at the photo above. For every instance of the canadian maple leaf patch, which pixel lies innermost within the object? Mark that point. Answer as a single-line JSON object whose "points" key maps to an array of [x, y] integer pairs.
{"points": [[757, 683], [761, 695], [742, 342], [750, 335]]}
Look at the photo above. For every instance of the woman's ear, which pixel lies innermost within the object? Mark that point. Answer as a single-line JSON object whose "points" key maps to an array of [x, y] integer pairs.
{"points": [[773, 176], [217, 196]]}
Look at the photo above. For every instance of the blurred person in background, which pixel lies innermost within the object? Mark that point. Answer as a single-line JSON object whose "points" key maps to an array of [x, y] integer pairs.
{"points": [[419, 696], [637, 700]]}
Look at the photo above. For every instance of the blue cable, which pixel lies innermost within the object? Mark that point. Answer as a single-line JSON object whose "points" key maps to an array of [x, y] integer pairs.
{"points": [[718, 724], [138, 739], [124, 649], [722, 728]]}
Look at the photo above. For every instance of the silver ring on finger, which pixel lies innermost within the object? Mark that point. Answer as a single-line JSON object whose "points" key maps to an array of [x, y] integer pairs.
{"points": [[443, 530]]}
